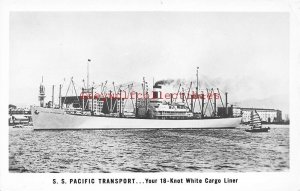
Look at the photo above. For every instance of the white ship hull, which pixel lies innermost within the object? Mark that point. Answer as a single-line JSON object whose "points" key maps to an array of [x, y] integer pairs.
{"points": [[51, 119]]}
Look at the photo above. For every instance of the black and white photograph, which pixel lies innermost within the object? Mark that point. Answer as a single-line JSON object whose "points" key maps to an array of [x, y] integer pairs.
{"points": [[184, 93]]}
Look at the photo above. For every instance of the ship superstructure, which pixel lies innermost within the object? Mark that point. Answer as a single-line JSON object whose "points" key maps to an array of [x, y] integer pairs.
{"points": [[157, 108]]}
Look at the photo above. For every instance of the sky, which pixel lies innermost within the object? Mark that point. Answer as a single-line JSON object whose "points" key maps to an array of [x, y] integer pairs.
{"points": [[246, 54]]}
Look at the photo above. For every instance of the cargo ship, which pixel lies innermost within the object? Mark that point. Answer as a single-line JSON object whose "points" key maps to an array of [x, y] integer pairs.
{"points": [[89, 111]]}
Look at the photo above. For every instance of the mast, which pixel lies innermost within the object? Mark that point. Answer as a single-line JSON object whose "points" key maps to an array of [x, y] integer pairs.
{"points": [[92, 113], [60, 106], [192, 108], [251, 119], [82, 108], [202, 104], [146, 100], [183, 94], [255, 119], [52, 96], [143, 84], [197, 81], [145, 93], [226, 103], [215, 104], [153, 82], [136, 104], [197, 94], [110, 104], [120, 109], [88, 74]]}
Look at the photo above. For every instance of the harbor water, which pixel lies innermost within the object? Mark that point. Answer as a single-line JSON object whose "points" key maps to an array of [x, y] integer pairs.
{"points": [[152, 150]]}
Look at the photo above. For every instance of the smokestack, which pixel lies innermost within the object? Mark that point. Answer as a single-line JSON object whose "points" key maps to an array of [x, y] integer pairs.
{"points": [[156, 92]]}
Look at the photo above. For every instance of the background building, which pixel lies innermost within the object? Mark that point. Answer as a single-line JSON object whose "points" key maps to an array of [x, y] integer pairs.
{"points": [[266, 115]]}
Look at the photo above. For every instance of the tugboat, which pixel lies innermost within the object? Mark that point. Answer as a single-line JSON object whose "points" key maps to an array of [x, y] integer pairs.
{"points": [[255, 124]]}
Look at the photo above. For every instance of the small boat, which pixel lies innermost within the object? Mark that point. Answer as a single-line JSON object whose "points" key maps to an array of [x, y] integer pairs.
{"points": [[258, 130], [255, 124]]}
